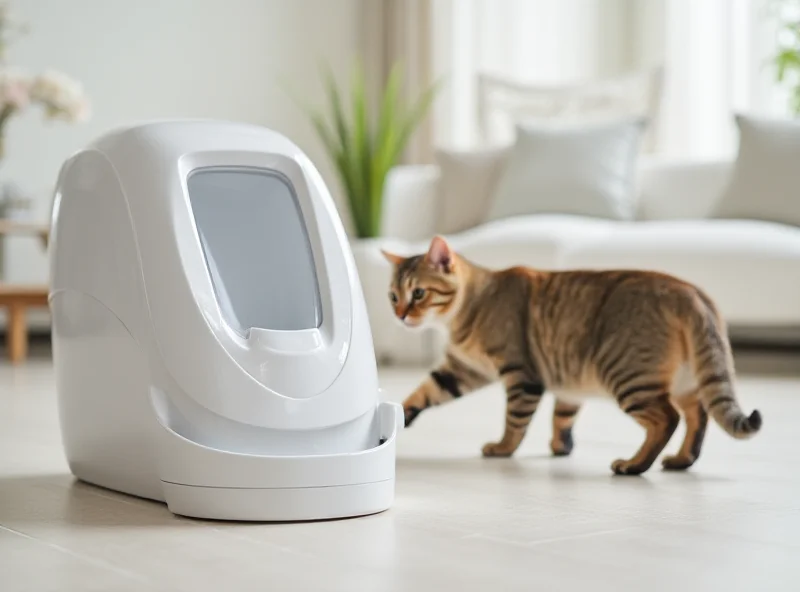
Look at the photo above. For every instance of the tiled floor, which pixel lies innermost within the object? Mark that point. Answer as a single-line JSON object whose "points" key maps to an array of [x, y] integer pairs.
{"points": [[531, 523]]}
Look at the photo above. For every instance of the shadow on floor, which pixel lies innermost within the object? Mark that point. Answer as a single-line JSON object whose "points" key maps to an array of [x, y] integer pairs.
{"points": [[60, 498]]}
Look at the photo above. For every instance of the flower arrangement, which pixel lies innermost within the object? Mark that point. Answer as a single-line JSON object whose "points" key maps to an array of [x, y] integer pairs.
{"points": [[59, 96]]}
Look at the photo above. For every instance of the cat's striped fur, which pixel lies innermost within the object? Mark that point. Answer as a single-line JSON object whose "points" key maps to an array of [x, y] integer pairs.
{"points": [[655, 343]]}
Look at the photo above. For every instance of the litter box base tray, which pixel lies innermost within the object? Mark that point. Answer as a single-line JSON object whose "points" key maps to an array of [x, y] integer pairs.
{"points": [[202, 482], [279, 505]]}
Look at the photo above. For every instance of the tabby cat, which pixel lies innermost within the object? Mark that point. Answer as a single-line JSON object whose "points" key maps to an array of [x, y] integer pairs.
{"points": [[654, 342]]}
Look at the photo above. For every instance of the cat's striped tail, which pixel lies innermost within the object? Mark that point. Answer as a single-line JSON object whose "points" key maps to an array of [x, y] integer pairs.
{"points": [[713, 367]]}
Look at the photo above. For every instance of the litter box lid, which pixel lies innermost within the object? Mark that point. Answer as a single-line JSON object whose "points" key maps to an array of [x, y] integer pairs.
{"points": [[240, 246]]}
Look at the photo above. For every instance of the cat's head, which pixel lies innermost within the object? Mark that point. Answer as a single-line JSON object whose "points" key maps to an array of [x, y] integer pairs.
{"points": [[425, 288]]}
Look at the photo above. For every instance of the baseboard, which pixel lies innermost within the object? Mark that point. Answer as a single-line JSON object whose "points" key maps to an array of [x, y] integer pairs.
{"points": [[34, 336], [787, 337], [743, 339], [778, 339]]}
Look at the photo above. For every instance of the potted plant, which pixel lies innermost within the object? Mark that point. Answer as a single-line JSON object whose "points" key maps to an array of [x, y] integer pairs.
{"points": [[364, 146], [787, 56]]}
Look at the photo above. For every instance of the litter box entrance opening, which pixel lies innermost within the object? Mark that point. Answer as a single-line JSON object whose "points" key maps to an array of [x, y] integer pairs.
{"points": [[256, 247]]}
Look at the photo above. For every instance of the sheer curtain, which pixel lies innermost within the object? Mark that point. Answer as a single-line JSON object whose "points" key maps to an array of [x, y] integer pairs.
{"points": [[533, 41], [401, 31], [713, 53], [716, 53]]}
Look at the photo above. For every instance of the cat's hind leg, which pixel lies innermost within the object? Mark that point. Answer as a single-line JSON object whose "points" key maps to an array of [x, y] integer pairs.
{"points": [[523, 394], [564, 415], [696, 421], [649, 404]]}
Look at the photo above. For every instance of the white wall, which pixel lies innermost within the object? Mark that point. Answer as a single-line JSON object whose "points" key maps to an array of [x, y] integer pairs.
{"points": [[143, 59]]}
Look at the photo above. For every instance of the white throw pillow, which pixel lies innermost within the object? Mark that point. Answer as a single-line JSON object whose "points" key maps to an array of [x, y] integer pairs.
{"points": [[765, 182], [584, 170], [466, 183]]}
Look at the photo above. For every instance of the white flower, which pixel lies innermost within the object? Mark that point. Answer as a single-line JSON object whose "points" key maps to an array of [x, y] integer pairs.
{"points": [[61, 96], [15, 89]]}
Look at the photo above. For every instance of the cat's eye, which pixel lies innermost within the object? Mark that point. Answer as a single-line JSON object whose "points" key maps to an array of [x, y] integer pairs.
{"points": [[418, 294], [393, 297]]}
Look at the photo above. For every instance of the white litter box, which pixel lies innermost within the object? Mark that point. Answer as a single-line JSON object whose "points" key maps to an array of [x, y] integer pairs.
{"points": [[211, 343]]}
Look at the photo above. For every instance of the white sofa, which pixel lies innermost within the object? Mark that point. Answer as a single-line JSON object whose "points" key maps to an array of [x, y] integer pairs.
{"points": [[751, 268]]}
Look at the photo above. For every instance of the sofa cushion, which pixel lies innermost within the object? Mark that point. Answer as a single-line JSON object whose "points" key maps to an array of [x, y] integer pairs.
{"points": [[765, 184], [535, 241], [587, 170], [467, 181], [751, 268], [670, 190]]}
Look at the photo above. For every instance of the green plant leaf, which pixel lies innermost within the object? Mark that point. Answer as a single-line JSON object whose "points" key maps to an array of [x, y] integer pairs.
{"points": [[336, 109], [388, 108], [794, 101], [325, 135], [786, 60], [385, 135], [415, 115], [364, 149], [350, 150], [362, 144]]}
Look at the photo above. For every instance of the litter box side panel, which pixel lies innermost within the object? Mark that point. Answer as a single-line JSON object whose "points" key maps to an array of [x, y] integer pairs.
{"points": [[101, 378], [97, 304]]}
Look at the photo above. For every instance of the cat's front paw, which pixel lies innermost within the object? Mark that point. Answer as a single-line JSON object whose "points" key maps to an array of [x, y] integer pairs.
{"points": [[626, 467], [677, 462], [411, 414], [560, 448], [496, 450], [562, 444]]}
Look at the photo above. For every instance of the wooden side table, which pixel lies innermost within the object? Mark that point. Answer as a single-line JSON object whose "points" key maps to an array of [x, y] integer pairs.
{"points": [[17, 298], [12, 227]]}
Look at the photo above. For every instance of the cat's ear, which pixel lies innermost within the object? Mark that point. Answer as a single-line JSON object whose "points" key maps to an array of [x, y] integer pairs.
{"points": [[392, 258], [440, 255]]}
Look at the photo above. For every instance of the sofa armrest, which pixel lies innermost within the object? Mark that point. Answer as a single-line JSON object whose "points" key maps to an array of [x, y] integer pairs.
{"points": [[681, 189], [411, 203]]}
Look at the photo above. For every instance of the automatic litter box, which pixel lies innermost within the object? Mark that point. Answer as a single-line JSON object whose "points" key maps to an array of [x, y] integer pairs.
{"points": [[211, 343]]}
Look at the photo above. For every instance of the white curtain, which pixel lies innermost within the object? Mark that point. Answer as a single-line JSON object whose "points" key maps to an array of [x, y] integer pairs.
{"points": [[534, 41], [716, 55], [713, 52], [400, 31]]}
